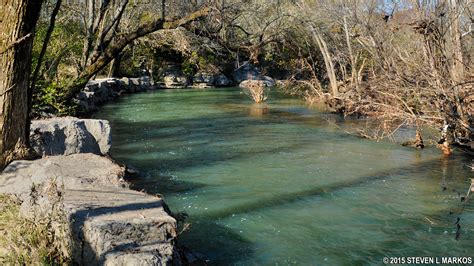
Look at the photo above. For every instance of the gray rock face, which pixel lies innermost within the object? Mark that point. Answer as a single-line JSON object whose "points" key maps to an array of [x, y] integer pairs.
{"points": [[69, 135], [202, 79], [207, 80], [109, 224], [100, 91], [246, 71], [172, 81], [221, 80], [172, 77], [249, 72]]}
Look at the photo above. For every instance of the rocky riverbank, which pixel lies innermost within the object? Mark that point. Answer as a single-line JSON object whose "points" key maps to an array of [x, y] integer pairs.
{"points": [[100, 91], [105, 222], [108, 223]]}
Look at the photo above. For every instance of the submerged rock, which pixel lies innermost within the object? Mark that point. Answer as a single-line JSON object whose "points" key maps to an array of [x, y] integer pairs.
{"points": [[70, 135], [248, 74]]}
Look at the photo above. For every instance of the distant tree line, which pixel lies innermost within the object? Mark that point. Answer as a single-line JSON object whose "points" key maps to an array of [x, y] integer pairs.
{"points": [[399, 63]]}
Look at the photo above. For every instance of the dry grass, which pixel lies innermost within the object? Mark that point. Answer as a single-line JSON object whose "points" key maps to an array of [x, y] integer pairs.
{"points": [[257, 92], [23, 241]]}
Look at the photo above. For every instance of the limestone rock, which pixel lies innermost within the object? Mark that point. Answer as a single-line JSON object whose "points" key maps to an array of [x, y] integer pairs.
{"points": [[245, 72], [208, 80], [203, 79], [69, 135], [220, 80], [248, 73], [99, 91], [109, 223], [173, 81]]}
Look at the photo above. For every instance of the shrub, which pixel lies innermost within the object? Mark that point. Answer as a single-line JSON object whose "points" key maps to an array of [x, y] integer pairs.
{"points": [[38, 241], [256, 91], [49, 98]]}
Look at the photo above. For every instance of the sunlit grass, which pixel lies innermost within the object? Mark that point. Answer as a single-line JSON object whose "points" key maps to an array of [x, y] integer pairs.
{"points": [[27, 242], [257, 92]]}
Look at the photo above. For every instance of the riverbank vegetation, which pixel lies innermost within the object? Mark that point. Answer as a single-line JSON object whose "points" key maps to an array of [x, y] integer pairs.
{"points": [[26, 241], [257, 92], [395, 63]]}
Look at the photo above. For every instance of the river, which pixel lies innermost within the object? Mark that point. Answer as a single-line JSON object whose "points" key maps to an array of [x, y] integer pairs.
{"points": [[279, 183]]}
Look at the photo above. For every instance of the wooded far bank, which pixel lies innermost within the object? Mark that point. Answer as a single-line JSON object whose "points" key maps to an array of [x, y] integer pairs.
{"points": [[397, 63]]}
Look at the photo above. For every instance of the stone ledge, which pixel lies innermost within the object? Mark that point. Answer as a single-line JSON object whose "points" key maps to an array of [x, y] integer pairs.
{"points": [[110, 224]]}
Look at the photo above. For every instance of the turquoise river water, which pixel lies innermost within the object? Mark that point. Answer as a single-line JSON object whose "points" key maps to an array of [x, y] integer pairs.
{"points": [[277, 183]]}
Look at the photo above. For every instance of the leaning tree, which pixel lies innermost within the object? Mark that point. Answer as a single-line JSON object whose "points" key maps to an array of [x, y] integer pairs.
{"points": [[18, 19]]}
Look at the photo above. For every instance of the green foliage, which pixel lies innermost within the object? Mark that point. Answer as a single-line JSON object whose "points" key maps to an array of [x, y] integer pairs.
{"points": [[50, 97], [190, 64], [65, 45], [134, 59], [202, 61]]}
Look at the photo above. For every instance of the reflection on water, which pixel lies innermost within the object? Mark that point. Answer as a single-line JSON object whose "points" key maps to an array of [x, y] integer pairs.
{"points": [[276, 183], [258, 110]]}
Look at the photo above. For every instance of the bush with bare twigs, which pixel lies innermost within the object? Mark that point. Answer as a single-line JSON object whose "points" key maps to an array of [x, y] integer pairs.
{"points": [[409, 68], [39, 240], [257, 92]]}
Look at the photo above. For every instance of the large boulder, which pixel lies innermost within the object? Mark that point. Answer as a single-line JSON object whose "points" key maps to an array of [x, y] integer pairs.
{"points": [[203, 77], [69, 135], [106, 222], [99, 91], [248, 73], [203, 80], [175, 81], [206, 80], [172, 77], [221, 80]]}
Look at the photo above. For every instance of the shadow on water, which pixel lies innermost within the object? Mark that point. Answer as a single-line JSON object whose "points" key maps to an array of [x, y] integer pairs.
{"points": [[213, 139], [223, 244], [281, 199], [210, 140]]}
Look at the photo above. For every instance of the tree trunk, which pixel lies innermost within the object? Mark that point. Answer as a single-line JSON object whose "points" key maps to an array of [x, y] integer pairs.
{"points": [[327, 61], [17, 23], [354, 77], [89, 32], [457, 65], [114, 71], [163, 9]]}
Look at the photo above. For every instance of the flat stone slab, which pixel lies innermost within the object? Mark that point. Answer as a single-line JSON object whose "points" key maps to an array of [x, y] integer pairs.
{"points": [[111, 224]]}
